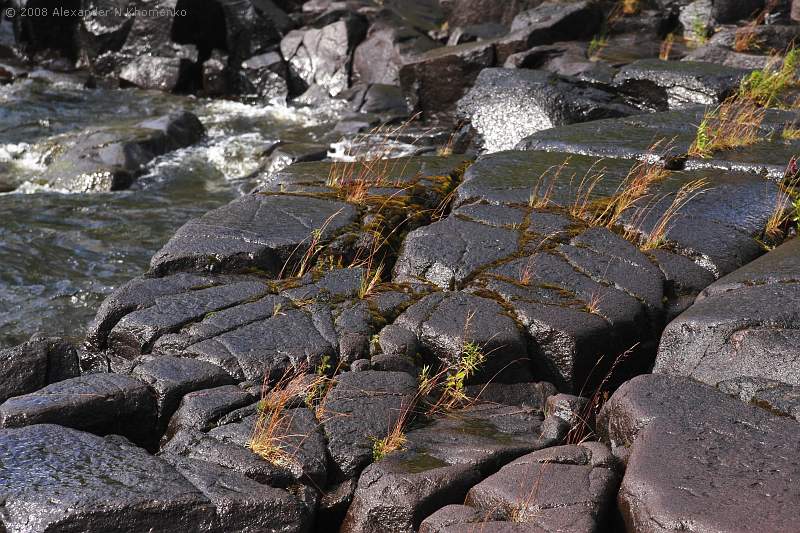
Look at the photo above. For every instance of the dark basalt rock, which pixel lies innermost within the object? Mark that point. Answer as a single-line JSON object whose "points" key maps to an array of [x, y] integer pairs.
{"points": [[234, 457], [34, 364], [776, 397], [564, 58], [110, 158], [448, 252], [493, 215], [720, 338], [550, 22], [378, 59], [434, 81], [257, 230], [727, 11], [529, 395], [264, 77], [684, 281], [322, 56], [200, 410], [99, 403], [565, 488], [169, 74], [467, 12], [172, 377], [88, 483], [439, 464], [445, 322], [731, 467], [135, 295], [136, 332], [367, 406], [287, 340], [241, 504], [506, 105], [674, 85]]}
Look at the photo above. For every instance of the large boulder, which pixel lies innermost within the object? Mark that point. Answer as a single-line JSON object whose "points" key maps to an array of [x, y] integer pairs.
{"points": [[88, 483], [378, 59], [696, 456], [471, 12], [110, 158], [322, 56], [721, 337], [507, 105], [34, 364], [732, 11], [435, 80]]}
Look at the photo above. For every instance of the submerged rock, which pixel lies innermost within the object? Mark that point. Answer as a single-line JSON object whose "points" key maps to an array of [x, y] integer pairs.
{"points": [[110, 158]]}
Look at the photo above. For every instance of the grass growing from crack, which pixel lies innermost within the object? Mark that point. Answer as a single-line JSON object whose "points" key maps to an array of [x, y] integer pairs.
{"points": [[767, 86], [699, 31], [732, 124], [666, 47]]}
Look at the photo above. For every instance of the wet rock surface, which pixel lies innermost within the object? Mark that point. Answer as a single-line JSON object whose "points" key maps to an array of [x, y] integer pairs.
{"points": [[443, 328], [722, 472]]}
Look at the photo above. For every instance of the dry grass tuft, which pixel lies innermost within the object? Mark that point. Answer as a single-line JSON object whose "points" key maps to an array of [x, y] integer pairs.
{"points": [[732, 124], [666, 47]]}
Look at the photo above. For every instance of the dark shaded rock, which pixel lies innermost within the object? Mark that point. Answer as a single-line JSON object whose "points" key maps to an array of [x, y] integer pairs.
{"points": [[727, 11], [438, 465], [201, 410], [550, 22], [378, 98], [378, 59], [367, 405], [446, 322], [684, 276], [565, 58], [264, 76], [241, 504], [566, 488], [88, 483], [322, 56], [395, 363], [713, 53], [466, 12], [398, 341], [678, 84], [528, 395], [733, 467], [99, 32], [137, 294], [110, 158], [507, 105], [172, 377], [449, 252], [136, 332], [216, 75], [434, 81], [476, 32], [34, 364], [194, 445], [99, 403], [257, 230]]}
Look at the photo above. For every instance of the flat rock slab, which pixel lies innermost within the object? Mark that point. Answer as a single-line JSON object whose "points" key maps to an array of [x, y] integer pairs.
{"points": [[722, 338], [565, 488], [439, 464], [696, 456], [676, 84], [200, 410], [362, 407], [507, 105], [254, 231], [99, 403], [88, 483], [446, 253]]}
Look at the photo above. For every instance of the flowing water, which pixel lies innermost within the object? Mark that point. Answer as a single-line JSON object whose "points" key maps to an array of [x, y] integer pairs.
{"points": [[60, 253]]}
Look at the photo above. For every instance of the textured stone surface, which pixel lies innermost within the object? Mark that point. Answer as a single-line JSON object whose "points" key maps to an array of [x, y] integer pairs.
{"points": [[507, 105], [88, 483], [34, 364], [697, 456], [257, 230], [366, 406]]}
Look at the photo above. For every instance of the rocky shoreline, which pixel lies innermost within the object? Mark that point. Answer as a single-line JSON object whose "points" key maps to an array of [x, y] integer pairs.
{"points": [[568, 317]]}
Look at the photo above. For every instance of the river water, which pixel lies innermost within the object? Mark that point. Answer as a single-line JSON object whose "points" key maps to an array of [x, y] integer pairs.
{"points": [[61, 253]]}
